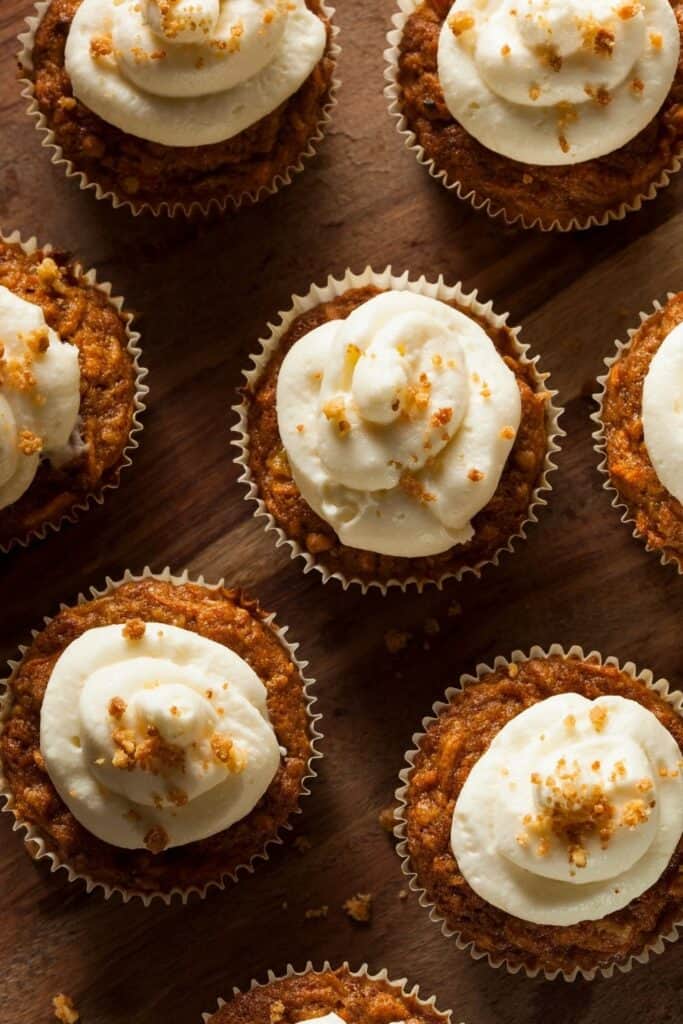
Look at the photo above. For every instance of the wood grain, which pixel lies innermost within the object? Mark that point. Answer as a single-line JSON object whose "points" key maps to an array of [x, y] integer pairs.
{"points": [[204, 292]]}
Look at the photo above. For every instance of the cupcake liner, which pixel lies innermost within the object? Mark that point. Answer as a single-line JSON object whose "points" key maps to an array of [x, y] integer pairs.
{"points": [[386, 280], [32, 835], [213, 204], [660, 686], [478, 202], [600, 438], [141, 391], [401, 985]]}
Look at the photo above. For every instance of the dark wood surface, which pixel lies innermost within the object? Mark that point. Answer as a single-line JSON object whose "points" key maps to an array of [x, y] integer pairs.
{"points": [[203, 292]]}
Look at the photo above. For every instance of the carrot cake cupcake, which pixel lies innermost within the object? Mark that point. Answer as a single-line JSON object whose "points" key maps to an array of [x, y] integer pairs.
{"points": [[156, 738], [552, 113], [392, 436], [543, 814], [181, 103], [69, 390], [329, 996], [641, 430]]}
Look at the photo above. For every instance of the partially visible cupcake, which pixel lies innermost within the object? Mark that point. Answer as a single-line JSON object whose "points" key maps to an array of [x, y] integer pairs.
{"points": [[542, 814], [549, 113], [641, 430], [70, 390], [328, 996], [395, 431], [157, 738], [181, 104]]}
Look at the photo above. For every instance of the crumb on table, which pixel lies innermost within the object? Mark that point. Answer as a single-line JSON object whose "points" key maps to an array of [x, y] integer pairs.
{"points": [[64, 1009], [359, 907]]}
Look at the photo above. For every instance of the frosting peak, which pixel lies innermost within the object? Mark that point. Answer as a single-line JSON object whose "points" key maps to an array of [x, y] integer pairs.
{"points": [[190, 72], [155, 736], [39, 395], [557, 81], [583, 810], [397, 423]]}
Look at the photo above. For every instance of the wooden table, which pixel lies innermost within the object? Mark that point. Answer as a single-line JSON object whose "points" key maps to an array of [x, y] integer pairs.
{"points": [[204, 292]]}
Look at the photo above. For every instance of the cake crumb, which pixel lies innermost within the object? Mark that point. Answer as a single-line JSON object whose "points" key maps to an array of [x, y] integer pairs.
{"points": [[134, 629], [359, 907], [313, 913], [387, 818], [403, 894], [396, 640], [431, 627], [302, 844], [64, 1009], [455, 609]]}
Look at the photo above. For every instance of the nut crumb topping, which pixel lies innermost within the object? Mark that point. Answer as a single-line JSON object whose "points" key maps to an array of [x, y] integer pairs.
{"points": [[29, 443], [461, 21], [117, 707], [225, 751], [134, 629], [598, 716], [64, 1009], [396, 640], [156, 839], [359, 907], [100, 47]]}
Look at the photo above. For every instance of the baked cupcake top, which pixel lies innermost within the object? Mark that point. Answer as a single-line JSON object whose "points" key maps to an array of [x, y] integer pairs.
{"points": [[397, 423], [159, 736], [39, 396], [575, 810], [337, 996], [552, 82], [190, 72]]}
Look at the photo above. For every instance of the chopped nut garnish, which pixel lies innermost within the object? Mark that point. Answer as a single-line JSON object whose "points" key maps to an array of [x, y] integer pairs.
{"points": [[29, 443], [359, 907], [64, 1009], [225, 751], [534, 91], [505, 50], [178, 797], [134, 629], [37, 341], [461, 21], [117, 707], [316, 912], [156, 839], [598, 717], [395, 640], [101, 46], [628, 11], [412, 486], [387, 818], [441, 417], [637, 86], [335, 410], [507, 434], [656, 40], [475, 475], [152, 754]]}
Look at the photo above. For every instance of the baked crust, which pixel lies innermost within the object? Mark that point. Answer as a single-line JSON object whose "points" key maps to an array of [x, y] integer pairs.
{"points": [[545, 194], [219, 614], [141, 172], [494, 525], [361, 1000], [451, 745], [657, 514], [83, 316]]}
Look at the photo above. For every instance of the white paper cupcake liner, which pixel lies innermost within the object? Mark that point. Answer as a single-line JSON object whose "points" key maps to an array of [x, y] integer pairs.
{"points": [[660, 686], [479, 202], [141, 391], [32, 835], [213, 204], [401, 985], [387, 280], [600, 438]]}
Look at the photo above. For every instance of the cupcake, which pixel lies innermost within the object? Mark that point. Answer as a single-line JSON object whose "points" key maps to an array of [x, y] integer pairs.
{"points": [[70, 390], [640, 430], [542, 814], [395, 431], [339, 996], [556, 114], [157, 737], [180, 104]]}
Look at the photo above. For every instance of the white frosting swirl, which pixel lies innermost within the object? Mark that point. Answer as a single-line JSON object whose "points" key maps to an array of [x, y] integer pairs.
{"points": [[574, 810], [334, 1018], [397, 423], [554, 82], [190, 72], [663, 412], [168, 731], [39, 395]]}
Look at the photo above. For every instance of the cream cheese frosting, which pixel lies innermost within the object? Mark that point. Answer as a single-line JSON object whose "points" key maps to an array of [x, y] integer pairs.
{"points": [[334, 1018], [156, 736], [554, 82], [663, 412], [575, 809], [397, 422], [39, 395], [190, 72]]}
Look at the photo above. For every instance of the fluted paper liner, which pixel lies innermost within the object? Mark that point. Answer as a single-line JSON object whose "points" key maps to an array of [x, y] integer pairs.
{"points": [[600, 438], [141, 391], [434, 289], [401, 985], [171, 208], [660, 686], [32, 835], [481, 202]]}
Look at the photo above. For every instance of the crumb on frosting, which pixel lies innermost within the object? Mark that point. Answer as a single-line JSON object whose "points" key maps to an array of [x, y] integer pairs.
{"points": [[156, 840], [117, 707], [134, 629], [29, 443], [225, 751], [460, 22]]}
